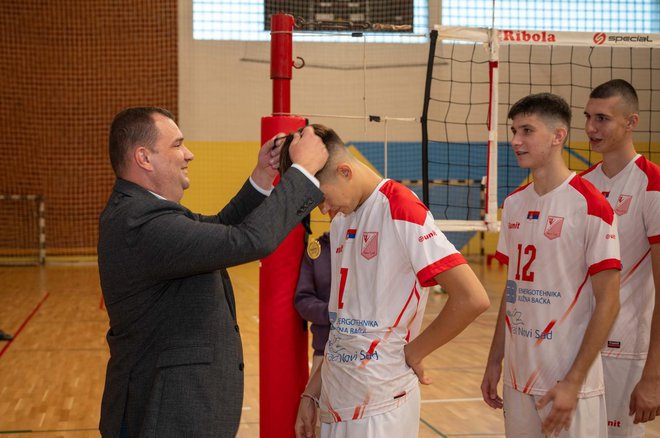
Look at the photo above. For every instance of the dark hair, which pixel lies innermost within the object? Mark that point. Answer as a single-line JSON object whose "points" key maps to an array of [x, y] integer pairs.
{"points": [[546, 105], [129, 128], [617, 87], [329, 137]]}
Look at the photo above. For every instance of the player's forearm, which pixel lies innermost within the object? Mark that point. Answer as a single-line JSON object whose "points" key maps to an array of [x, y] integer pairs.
{"points": [[606, 292], [467, 299], [313, 387], [496, 353], [652, 366]]}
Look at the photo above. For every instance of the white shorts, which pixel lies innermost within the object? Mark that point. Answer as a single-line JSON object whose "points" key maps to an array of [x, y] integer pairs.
{"points": [[523, 420], [402, 422], [621, 376]]}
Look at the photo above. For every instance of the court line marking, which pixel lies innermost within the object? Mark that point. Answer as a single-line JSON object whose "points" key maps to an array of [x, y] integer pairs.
{"points": [[20, 329], [427, 424], [453, 400], [6, 432]]}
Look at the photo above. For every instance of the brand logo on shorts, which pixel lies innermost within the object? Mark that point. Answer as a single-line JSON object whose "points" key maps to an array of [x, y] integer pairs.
{"points": [[613, 344], [369, 244], [623, 204], [553, 227]]}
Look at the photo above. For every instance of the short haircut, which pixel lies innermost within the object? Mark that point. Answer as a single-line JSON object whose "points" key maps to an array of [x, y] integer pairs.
{"points": [[620, 88], [132, 127], [546, 105], [332, 142]]}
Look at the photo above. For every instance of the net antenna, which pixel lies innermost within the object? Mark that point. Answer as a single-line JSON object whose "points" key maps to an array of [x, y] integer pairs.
{"points": [[474, 76]]}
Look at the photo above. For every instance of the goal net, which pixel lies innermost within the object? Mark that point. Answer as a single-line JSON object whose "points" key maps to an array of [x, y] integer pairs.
{"points": [[22, 235], [474, 75]]}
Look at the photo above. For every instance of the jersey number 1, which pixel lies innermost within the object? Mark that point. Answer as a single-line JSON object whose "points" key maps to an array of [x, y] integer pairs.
{"points": [[343, 272], [527, 273]]}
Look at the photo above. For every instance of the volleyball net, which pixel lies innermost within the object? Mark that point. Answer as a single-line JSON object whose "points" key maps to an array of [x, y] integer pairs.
{"points": [[474, 75]]}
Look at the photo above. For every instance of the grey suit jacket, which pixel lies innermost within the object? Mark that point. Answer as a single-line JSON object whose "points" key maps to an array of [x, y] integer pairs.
{"points": [[176, 361]]}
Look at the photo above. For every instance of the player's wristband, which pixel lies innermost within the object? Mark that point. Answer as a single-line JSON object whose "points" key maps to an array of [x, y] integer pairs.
{"points": [[310, 396]]}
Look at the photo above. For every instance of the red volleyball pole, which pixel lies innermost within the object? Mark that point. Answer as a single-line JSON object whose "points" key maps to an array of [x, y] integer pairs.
{"points": [[283, 370]]}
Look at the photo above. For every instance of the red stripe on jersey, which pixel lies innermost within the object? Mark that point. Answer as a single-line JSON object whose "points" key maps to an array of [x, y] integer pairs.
{"points": [[654, 239], [591, 169], [605, 264], [577, 295], [425, 276], [413, 293], [334, 414], [372, 348], [531, 381], [404, 205], [513, 377], [508, 324], [357, 412], [634, 268], [504, 259], [597, 205], [652, 172], [519, 189], [545, 332]]}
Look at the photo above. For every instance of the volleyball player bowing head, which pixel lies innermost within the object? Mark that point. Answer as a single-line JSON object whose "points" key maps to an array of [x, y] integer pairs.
{"points": [[560, 242], [385, 251]]}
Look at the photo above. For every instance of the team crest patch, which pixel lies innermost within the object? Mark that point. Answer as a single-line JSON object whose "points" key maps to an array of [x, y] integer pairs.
{"points": [[369, 244], [623, 204], [553, 227]]}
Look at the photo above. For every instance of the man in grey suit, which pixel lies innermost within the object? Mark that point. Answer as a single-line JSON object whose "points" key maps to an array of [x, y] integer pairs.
{"points": [[176, 362]]}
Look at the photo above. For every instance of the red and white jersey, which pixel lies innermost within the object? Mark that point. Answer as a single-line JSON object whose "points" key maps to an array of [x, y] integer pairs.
{"points": [[553, 244], [384, 255], [634, 194]]}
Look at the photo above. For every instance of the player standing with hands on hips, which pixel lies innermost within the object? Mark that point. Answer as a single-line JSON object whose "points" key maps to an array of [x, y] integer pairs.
{"points": [[560, 242], [386, 250]]}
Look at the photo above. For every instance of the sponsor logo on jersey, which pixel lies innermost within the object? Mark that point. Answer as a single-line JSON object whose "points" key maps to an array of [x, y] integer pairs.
{"points": [[339, 249], [613, 423], [533, 215], [553, 227], [610, 236], [511, 290], [350, 234], [369, 244], [537, 296], [622, 204], [514, 225], [515, 317], [427, 236], [524, 36], [613, 344]]}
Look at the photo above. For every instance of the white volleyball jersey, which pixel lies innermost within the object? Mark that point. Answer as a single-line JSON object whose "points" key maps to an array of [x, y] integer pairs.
{"points": [[553, 244], [634, 194], [384, 255]]}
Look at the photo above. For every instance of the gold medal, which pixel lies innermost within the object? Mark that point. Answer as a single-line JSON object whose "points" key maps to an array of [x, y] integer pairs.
{"points": [[313, 249]]}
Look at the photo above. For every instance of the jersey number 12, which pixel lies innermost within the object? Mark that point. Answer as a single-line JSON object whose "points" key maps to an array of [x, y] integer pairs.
{"points": [[527, 273]]}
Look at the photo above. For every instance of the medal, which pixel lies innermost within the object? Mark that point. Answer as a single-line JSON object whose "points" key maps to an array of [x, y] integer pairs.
{"points": [[313, 249]]}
